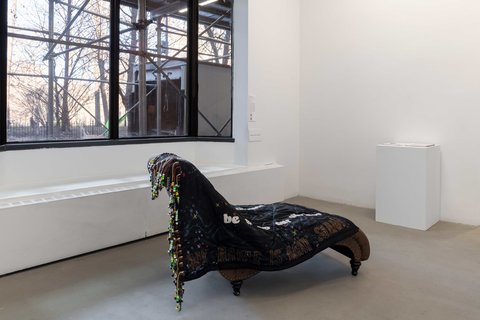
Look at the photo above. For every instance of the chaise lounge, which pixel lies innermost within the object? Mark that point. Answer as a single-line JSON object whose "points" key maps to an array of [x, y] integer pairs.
{"points": [[207, 233]]}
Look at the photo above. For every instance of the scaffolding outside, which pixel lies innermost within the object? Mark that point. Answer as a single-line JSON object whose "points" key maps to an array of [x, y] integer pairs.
{"points": [[58, 69]]}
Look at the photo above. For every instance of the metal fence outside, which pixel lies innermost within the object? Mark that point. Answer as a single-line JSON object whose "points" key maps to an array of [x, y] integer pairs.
{"points": [[19, 132]]}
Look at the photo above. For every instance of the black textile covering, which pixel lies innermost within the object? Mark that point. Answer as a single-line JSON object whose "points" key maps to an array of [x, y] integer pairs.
{"points": [[213, 234]]}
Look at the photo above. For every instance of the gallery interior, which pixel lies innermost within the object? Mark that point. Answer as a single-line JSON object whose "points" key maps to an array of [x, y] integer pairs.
{"points": [[350, 124]]}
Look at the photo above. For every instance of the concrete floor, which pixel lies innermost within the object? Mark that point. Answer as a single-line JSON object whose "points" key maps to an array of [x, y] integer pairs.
{"points": [[410, 275]]}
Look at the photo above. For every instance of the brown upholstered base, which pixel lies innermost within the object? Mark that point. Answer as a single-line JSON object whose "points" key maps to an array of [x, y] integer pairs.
{"points": [[355, 247]]}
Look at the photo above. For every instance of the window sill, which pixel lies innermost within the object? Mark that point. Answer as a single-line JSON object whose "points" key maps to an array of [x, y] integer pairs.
{"points": [[106, 142], [98, 187]]}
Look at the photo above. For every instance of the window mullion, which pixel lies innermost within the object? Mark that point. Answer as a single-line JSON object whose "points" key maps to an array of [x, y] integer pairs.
{"points": [[192, 74], [114, 68], [3, 72]]}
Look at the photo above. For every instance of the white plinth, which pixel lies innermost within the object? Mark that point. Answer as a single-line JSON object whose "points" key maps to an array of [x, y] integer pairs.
{"points": [[408, 185]]}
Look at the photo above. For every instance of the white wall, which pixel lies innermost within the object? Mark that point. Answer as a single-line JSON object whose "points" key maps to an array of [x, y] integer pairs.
{"points": [[273, 66], [374, 71], [28, 169]]}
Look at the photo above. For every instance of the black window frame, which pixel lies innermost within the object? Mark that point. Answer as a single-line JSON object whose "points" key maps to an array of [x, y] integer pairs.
{"points": [[114, 139]]}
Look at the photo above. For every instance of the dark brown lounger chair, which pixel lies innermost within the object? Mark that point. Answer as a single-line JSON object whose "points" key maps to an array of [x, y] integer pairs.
{"points": [[207, 233]]}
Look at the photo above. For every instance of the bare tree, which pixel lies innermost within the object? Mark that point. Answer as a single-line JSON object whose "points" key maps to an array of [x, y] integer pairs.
{"points": [[65, 118], [78, 68], [133, 43]]}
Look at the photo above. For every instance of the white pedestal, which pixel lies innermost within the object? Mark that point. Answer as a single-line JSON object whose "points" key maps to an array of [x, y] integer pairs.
{"points": [[408, 185]]}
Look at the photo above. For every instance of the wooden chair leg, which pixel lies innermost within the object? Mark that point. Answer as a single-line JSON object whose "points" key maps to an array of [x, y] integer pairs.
{"points": [[356, 247], [355, 266], [236, 277], [236, 285]]}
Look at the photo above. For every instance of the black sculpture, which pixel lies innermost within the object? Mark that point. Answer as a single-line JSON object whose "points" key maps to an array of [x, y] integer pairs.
{"points": [[207, 233]]}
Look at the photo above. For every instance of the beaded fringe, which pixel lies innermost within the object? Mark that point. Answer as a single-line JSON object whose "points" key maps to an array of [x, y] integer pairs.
{"points": [[171, 183]]}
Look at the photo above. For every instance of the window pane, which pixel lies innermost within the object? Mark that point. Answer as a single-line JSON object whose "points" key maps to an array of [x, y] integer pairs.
{"points": [[215, 68], [153, 69], [58, 70]]}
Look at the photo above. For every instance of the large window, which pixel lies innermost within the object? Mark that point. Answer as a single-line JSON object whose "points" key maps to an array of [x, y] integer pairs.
{"points": [[122, 70]]}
